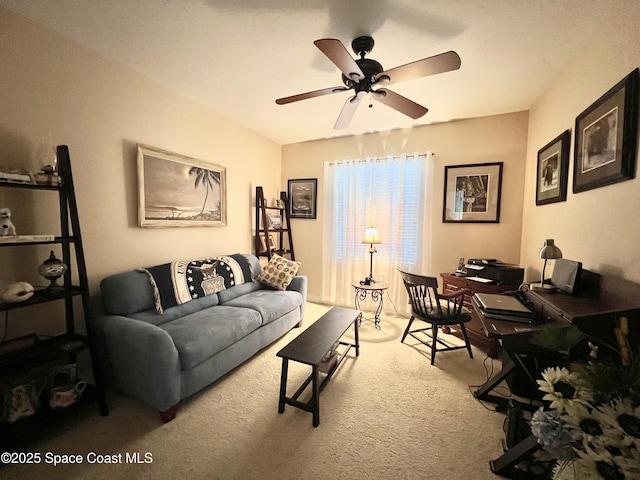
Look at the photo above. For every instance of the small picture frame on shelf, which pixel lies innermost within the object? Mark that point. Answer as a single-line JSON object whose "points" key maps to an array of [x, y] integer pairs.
{"points": [[272, 243], [275, 221]]}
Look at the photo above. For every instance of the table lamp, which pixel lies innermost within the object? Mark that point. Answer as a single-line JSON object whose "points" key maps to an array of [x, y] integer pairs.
{"points": [[371, 237], [548, 252]]}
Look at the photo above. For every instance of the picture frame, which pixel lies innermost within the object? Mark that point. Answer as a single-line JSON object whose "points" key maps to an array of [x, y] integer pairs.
{"points": [[472, 193], [272, 243], [275, 221], [553, 170], [179, 191], [303, 197], [606, 138]]}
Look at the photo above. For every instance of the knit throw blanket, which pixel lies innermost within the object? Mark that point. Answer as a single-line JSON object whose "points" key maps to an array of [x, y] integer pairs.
{"points": [[180, 282]]}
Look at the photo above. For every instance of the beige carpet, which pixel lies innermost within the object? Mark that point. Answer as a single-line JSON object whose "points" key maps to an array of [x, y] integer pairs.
{"points": [[386, 415]]}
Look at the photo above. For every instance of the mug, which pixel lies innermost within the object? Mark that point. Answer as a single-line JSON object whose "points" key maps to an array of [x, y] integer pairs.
{"points": [[22, 400], [62, 397]]}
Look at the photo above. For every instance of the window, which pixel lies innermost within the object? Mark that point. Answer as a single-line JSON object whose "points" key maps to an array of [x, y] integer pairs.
{"points": [[388, 193]]}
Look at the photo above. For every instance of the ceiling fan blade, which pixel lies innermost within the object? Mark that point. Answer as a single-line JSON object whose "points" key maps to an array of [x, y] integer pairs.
{"points": [[315, 93], [348, 110], [399, 103], [445, 62], [338, 54]]}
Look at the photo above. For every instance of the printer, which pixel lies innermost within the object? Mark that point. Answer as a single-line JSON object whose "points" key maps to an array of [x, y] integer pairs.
{"points": [[494, 270]]}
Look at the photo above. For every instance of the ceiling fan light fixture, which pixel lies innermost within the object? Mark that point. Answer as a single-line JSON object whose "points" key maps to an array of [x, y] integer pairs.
{"points": [[362, 74]]}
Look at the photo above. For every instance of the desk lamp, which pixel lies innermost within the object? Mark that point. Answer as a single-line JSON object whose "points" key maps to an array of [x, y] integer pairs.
{"points": [[548, 252], [371, 237]]}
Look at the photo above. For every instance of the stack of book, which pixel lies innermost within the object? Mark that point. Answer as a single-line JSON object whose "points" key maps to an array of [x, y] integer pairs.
{"points": [[26, 238]]}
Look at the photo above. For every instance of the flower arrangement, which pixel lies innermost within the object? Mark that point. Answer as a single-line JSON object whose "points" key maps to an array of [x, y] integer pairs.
{"points": [[591, 426]]}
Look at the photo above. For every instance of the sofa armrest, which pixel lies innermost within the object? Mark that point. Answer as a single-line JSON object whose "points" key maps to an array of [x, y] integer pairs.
{"points": [[143, 360], [299, 284]]}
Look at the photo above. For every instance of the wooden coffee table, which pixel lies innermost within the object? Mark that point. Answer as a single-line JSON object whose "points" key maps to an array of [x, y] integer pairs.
{"points": [[310, 347]]}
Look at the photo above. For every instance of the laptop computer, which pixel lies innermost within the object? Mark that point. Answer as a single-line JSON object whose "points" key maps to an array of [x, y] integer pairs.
{"points": [[503, 307]]}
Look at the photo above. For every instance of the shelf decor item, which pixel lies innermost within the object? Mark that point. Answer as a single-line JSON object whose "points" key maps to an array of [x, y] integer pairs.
{"points": [[606, 137], [52, 269], [7, 228], [47, 156], [16, 292]]}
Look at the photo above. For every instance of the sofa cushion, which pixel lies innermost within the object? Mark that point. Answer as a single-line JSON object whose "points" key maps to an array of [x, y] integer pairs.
{"points": [[268, 303], [202, 334], [152, 316], [278, 272], [229, 294], [127, 293]]}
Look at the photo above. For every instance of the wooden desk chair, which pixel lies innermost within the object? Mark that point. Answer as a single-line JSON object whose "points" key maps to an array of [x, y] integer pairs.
{"points": [[436, 309]]}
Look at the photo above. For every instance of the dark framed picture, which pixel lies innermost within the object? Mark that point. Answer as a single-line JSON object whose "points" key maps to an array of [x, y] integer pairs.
{"points": [[472, 193], [303, 198], [553, 170], [606, 138], [179, 191]]}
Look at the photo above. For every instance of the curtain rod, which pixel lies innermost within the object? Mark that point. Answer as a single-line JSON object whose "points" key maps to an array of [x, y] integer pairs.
{"points": [[360, 160]]}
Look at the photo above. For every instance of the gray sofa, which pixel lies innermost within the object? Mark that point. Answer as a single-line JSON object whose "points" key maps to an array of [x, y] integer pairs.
{"points": [[162, 358]]}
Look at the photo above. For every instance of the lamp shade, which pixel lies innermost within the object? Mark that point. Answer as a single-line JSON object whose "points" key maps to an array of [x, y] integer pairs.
{"points": [[371, 236], [550, 251]]}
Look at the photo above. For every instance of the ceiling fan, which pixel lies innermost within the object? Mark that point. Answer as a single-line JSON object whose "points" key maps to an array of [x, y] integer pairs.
{"points": [[365, 76]]}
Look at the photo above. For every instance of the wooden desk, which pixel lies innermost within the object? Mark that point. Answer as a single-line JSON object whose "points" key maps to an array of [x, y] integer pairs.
{"points": [[595, 313], [477, 336]]}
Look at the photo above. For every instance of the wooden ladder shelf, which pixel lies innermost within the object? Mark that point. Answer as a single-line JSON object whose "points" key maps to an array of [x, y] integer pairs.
{"points": [[273, 227]]}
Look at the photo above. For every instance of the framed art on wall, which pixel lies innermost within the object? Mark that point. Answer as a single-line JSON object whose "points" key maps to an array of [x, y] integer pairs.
{"points": [[179, 191], [606, 138], [303, 198], [472, 193], [553, 170]]}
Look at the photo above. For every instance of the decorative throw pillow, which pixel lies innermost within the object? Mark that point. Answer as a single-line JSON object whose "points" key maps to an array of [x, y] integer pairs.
{"points": [[279, 272]]}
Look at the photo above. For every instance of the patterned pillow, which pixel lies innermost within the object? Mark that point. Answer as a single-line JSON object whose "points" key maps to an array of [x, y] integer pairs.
{"points": [[279, 272]]}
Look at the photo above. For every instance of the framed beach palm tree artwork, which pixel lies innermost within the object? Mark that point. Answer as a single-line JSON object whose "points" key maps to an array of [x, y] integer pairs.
{"points": [[179, 191]]}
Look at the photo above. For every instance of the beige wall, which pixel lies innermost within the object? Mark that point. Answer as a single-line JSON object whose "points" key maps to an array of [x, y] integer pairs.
{"points": [[598, 227], [501, 138], [101, 110]]}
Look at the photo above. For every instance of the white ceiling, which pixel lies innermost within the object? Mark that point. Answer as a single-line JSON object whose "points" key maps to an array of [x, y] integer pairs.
{"points": [[237, 56]]}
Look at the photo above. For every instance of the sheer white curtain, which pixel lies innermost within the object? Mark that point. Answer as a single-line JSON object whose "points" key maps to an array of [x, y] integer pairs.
{"points": [[392, 194]]}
